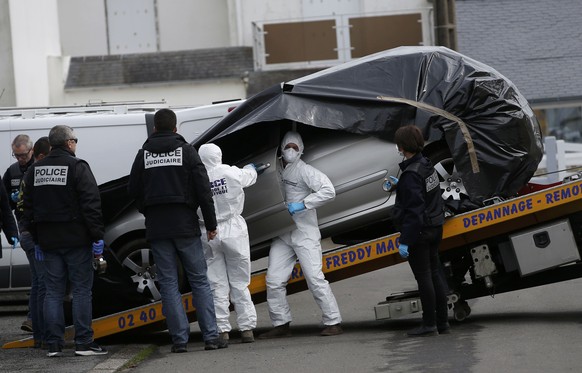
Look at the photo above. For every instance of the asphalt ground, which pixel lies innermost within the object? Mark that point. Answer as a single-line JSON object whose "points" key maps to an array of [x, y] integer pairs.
{"points": [[533, 330]]}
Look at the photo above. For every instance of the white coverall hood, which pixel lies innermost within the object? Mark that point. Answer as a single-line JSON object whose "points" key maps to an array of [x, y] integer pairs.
{"points": [[300, 182], [228, 254], [292, 137], [211, 155]]}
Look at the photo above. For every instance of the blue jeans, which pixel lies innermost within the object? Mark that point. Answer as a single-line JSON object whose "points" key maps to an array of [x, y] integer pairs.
{"points": [[191, 255], [37, 289], [74, 266]]}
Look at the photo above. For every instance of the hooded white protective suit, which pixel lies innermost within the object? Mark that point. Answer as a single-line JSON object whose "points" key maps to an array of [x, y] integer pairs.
{"points": [[228, 254], [300, 183]]}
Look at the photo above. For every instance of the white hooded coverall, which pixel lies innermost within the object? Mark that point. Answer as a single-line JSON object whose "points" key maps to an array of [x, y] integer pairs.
{"points": [[228, 254], [300, 183]]}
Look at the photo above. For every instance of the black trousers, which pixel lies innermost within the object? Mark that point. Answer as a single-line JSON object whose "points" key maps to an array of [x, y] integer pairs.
{"points": [[426, 267]]}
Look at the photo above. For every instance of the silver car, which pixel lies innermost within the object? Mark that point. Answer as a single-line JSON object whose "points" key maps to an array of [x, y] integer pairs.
{"points": [[480, 133], [356, 164]]}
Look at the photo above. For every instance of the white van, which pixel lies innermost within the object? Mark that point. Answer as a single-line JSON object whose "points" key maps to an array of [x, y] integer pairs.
{"points": [[109, 138]]}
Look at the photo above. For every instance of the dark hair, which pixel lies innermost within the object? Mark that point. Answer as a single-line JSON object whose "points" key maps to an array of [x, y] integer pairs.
{"points": [[60, 134], [165, 120], [41, 147], [409, 138]]}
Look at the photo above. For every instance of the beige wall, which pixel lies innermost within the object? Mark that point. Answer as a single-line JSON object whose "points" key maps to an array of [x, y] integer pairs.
{"points": [[182, 25], [35, 37], [7, 89], [82, 27], [44, 33], [193, 24]]}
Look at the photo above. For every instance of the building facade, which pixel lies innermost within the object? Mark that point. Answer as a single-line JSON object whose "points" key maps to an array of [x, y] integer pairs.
{"points": [[189, 52], [194, 52], [537, 44]]}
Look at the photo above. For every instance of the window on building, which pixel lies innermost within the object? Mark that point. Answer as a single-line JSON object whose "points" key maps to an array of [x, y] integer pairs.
{"points": [[335, 39], [300, 41], [565, 123], [374, 34]]}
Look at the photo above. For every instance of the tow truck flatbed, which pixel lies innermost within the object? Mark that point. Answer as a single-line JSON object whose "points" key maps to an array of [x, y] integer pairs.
{"points": [[490, 226]]}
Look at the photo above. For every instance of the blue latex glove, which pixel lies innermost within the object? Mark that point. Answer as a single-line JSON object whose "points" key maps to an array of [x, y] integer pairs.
{"points": [[294, 207], [38, 253], [403, 250], [15, 242], [390, 183], [14, 196], [98, 247]]}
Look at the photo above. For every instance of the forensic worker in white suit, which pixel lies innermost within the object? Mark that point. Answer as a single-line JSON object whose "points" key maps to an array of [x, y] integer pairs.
{"points": [[228, 254], [305, 188]]}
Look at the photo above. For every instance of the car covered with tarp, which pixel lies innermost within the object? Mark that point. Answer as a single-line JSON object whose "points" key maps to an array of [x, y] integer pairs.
{"points": [[480, 133], [478, 114]]}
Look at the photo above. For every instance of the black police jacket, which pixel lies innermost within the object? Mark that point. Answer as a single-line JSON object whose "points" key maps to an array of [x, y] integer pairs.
{"points": [[61, 202], [419, 202], [169, 182], [12, 178], [7, 222]]}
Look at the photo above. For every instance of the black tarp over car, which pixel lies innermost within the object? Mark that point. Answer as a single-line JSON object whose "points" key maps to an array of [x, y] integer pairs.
{"points": [[489, 127]]}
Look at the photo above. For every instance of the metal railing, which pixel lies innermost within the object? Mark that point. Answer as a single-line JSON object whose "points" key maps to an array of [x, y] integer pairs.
{"points": [[561, 159]]}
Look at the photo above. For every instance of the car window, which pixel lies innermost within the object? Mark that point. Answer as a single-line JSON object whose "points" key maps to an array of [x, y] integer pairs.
{"points": [[238, 148], [264, 211]]}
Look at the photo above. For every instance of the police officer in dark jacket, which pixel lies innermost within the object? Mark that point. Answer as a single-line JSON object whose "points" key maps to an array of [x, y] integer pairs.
{"points": [[7, 222], [169, 183], [37, 293], [62, 211], [22, 151], [419, 212]]}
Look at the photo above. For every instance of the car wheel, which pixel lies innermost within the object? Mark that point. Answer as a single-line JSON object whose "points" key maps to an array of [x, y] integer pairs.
{"points": [[451, 181], [453, 190], [137, 259]]}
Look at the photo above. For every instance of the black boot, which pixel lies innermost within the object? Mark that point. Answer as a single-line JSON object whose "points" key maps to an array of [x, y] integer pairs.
{"points": [[423, 331], [444, 328]]}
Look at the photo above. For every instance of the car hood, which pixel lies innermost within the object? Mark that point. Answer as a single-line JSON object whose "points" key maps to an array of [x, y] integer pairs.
{"points": [[493, 135]]}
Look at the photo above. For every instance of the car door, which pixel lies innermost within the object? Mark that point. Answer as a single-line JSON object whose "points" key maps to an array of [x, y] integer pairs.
{"points": [[357, 166], [5, 268], [14, 268], [20, 268], [265, 211]]}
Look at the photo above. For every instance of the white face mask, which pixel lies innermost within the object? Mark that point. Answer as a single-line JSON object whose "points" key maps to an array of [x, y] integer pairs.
{"points": [[290, 155], [399, 152]]}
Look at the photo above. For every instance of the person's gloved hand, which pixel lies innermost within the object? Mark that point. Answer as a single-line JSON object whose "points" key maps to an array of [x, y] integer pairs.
{"points": [[294, 207], [15, 241], [403, 250], [261, 167], [98, 247], [251, 165], [390, 183], [38, 253], [14, 196], [211, 234]]}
